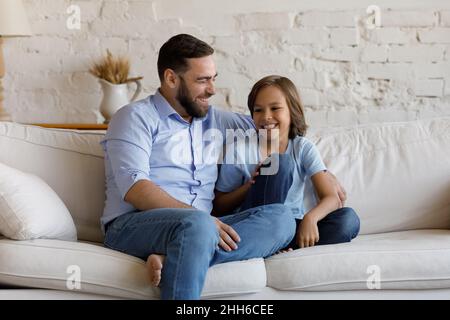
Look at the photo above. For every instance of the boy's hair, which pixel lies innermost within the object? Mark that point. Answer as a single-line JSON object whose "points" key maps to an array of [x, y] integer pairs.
{"points": [[176, 50], [298, 124]]}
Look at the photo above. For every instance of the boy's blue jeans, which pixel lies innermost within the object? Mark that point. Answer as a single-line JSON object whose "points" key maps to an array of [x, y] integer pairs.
{"points": [[338, 226], [189, 238]]}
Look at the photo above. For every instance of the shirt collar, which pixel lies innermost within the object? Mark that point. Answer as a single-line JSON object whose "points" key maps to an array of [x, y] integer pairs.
{"points": [[162, 105], [289, 146], [165, 109]]}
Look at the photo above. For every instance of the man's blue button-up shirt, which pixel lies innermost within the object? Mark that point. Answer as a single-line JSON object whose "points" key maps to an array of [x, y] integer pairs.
{"points": [[149, 140]]}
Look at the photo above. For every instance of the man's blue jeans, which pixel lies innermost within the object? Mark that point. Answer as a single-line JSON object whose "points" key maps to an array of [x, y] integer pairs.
{"points": [[189, 240], [339, 226]]}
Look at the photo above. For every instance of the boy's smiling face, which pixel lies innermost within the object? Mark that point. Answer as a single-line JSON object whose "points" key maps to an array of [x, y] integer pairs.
{"points": [[271, 111]]}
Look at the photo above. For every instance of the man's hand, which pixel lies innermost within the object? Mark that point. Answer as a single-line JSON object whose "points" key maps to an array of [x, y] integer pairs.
{"points": [[228, 237], [339, 188], [308, 233]]}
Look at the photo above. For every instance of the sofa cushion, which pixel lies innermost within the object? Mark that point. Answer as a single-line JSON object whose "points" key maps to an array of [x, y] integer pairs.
{"points": [[70, 162], [418, 259], [108, 272], [30, 209], [396, 174]]}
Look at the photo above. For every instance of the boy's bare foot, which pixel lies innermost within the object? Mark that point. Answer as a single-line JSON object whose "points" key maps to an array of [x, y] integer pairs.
{"points": [[154, 266], [285, 250]]}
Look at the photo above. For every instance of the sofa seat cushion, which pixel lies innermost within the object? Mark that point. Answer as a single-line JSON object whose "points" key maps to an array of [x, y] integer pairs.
{"points": [[417, 259], [51, 264]]}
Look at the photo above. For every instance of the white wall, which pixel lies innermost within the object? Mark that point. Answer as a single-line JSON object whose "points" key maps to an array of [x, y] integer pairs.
{"points": [[346, 72]]}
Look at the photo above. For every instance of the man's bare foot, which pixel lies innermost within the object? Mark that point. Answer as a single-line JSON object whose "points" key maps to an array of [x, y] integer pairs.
{"points": [[154, 266]]}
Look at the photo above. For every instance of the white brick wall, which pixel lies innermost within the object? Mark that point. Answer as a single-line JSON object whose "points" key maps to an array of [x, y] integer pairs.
{"points": [[347, 73], [300, 36], [406, 18], [393, 36], [445, 18], [344, 36], [374, 53], [430, 87], [417, 53], [264, 21], [434, 35], [326, 19]]}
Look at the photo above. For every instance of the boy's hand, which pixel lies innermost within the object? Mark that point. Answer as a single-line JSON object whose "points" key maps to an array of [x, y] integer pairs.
{"points": [[308, 233], [342, 194], [255, 174], [228, 237]]}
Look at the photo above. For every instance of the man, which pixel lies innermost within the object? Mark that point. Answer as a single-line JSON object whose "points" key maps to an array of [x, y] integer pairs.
{"points": [[159, 206]]}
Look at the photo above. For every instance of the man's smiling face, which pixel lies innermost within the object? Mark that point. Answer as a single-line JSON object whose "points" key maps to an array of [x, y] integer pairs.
{"points": [[196, 86]]}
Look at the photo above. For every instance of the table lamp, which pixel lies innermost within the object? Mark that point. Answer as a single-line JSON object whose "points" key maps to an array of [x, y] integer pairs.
{"points": [[13, 23]]}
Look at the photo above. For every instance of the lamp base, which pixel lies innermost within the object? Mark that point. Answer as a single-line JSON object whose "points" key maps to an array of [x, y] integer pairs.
{"points": [[4, 116]]}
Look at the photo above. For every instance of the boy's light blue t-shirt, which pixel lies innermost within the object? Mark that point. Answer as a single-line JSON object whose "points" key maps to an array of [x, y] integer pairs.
{"points": [[301, 196]]}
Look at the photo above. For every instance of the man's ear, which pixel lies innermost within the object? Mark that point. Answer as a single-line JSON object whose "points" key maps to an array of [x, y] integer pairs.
{"points": [[171, 78]]}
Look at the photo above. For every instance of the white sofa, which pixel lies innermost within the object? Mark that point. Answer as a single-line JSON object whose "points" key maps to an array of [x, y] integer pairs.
{"points": [[398, 180]]}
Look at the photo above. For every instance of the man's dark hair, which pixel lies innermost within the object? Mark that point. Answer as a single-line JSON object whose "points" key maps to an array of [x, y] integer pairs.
{"points": [[176, 50]]}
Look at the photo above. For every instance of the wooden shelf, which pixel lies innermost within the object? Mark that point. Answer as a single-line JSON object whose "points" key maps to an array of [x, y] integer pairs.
{"points": [[75, 126]]}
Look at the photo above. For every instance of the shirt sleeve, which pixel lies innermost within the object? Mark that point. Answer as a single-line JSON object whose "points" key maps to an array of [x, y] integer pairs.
{"points": [[128, 146], [129, 164], [311, 160], [233, 120], [230, 178]]}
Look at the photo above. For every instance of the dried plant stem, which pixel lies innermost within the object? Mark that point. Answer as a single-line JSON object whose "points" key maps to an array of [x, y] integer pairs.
{"points": [[134, 79], [112, 69]]}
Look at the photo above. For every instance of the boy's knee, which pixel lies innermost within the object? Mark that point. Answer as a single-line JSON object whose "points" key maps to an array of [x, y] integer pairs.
{"points": [[281, 220], [275, 210], [349, 222]]}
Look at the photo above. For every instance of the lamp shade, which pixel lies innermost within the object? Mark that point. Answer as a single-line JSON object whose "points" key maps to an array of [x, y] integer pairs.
{"points": [[13, 19]]}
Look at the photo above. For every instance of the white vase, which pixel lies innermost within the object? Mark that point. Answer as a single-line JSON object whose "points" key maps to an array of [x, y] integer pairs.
{"points": [[115, 96]]}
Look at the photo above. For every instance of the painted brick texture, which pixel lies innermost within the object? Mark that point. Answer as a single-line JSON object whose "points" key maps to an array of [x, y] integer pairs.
{"points": [[347, 72]]}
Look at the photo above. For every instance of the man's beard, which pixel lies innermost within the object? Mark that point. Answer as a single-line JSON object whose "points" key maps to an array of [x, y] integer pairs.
{"points": [[184, 98]]}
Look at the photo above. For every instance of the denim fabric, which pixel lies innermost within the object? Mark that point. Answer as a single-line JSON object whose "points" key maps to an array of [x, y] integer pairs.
{"points": [[189, 240], [263, 231], [338, 226], [272, 188]]}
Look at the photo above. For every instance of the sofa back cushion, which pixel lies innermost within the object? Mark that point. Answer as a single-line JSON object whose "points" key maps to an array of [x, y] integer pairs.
{"points": [[70, 162], [397, 175]]}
